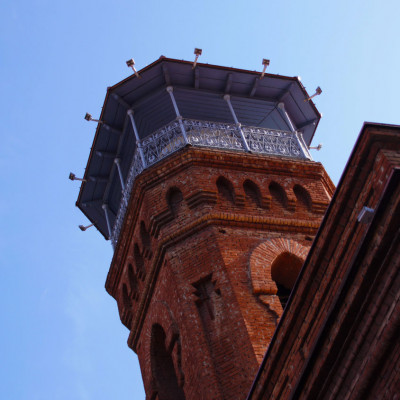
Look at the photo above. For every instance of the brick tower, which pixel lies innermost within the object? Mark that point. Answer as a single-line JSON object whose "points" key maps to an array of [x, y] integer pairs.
{"points": [[201, 178]]}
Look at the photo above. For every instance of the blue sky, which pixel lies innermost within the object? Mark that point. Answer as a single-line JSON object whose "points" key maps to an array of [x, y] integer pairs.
{"points": [[60, 335]]}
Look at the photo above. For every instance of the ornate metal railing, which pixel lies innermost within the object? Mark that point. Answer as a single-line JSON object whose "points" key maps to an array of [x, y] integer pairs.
{"points": [[170, 138], [162, 142], [213, 134]]}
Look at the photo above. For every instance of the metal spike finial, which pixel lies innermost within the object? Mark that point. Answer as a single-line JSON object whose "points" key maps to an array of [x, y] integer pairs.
{"points": [[89, 117], [265, 63], [83, 228], [318, 148], [72, 177], [197, 53], [318, 91], [131, 64]]}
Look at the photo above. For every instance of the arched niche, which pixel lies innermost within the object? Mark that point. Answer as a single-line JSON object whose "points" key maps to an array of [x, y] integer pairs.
{"points": [[225, 189], [252, 192], [303, 197], [174, 200], [278, 194]]}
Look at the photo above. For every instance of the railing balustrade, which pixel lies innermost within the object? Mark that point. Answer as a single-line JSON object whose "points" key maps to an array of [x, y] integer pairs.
{"points": [[169, 139]]}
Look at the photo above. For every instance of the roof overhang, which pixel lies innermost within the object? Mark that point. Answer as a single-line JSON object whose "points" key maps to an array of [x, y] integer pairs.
{"points": [[199, 94]]}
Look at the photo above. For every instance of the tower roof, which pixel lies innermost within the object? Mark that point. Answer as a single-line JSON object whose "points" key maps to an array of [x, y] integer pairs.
{"points": [[199, 95]]}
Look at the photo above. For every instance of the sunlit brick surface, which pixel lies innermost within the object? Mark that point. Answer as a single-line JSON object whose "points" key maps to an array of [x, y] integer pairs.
{"points": [[193, 223]]}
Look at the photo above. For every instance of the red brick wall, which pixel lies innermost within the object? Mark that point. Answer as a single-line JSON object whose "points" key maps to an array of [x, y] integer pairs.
{"points": [[339, 336], [203, 283]]}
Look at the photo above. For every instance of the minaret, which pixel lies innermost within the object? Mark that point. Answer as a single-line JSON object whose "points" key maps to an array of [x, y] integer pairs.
{"points": [[201, 178]]}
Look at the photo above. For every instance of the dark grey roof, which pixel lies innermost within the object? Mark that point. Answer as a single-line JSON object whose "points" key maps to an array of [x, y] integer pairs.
{"points": [[199, 95]]}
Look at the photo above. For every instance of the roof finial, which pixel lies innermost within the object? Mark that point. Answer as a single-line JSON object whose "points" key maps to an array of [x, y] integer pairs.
{"points": [[265, 62], [318, 148], [197, 52], [318, 91], [83, 228], [89, 117], [72, 177], [131, 63]]}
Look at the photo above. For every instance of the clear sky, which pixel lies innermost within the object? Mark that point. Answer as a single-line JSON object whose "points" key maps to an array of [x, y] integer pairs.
{"points": [[60, 335]]}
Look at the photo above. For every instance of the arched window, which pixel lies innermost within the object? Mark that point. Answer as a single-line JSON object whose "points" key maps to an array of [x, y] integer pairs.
{"points": [[174, 200], [252, 192], [139, 262], [162, 367], [225, 189], [284, 271], [278, 193], [303, 197]]}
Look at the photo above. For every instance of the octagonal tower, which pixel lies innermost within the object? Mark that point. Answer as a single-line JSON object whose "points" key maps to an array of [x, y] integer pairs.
{"points": [[202, 180]]}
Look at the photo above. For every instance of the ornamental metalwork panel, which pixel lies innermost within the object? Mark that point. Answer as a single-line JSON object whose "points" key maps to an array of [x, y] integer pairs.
{"points": [[213, 134], [162, 143], [268, 141]]}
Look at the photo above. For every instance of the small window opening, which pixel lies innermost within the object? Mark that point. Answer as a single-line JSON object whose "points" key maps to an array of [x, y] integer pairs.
{"points": [[284, 271], [174, 200]]}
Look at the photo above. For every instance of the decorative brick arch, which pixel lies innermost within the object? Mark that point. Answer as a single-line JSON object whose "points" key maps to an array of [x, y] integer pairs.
{"points": [[261, 259]]}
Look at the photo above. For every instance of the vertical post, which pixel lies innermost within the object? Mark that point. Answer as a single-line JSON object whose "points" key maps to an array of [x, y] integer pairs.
{"points": [[303, 145], [170, 90], [117, 163], [139, 143], [299, 136], [227, 98], [281, 107], [105, 208]]}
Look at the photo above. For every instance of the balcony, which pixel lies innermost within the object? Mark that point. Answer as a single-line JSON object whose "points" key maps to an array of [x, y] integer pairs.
{"points": [[225, 136]]}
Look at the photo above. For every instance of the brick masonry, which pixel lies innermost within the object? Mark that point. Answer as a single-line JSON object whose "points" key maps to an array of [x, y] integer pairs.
{"points": [[339, 335], [192, 269]]}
